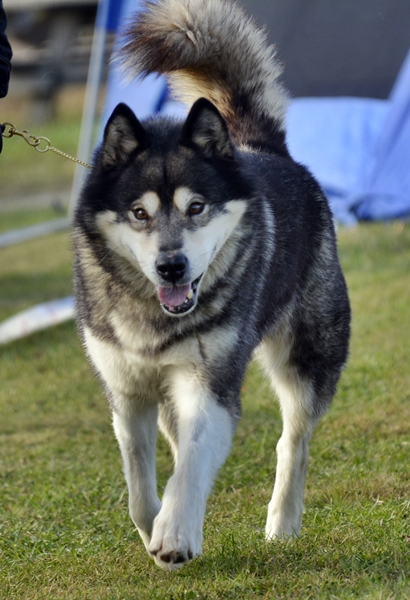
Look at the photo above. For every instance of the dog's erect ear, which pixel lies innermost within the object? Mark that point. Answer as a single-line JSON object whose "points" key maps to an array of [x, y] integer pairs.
{"points": [[206, 129], [123, 134]]}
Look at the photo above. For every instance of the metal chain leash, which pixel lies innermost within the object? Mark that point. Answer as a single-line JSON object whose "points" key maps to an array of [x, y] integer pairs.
{"points": [[40, 143]]}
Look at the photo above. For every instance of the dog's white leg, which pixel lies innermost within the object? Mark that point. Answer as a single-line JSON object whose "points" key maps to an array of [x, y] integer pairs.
{"points": [[296, 398], [204, 436], [286, 506], [135, 425], [136, 431]]}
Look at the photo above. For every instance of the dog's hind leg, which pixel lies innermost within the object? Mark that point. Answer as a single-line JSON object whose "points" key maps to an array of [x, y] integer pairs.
{"points": [[286, 505], [136, 431], [204, 436], [296, 401]]}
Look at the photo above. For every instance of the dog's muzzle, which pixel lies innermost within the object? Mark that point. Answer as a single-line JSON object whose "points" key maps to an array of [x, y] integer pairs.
{"points": [[179, 299], [176, 296]]}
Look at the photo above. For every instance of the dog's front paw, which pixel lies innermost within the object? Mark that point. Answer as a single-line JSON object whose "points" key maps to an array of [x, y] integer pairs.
{"points": [[174, 542], [281, 528]]}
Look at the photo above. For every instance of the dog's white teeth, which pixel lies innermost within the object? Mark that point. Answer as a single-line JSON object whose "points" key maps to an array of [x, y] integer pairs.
{"points": [[189, 296]]}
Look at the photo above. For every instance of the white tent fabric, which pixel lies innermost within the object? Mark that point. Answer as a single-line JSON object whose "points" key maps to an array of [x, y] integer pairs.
{"points": [[41, 316]]}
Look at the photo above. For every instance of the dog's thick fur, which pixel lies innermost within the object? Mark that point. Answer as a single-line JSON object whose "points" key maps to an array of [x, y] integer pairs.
{"points": [[199, 244]]}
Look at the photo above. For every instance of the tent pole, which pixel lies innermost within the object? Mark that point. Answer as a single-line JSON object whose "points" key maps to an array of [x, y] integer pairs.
{"points": [[94, 77]]}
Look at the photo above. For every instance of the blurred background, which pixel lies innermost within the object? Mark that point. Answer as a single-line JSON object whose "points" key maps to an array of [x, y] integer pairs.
{"points": [[329, 48], [51, 42], [343, 48]]}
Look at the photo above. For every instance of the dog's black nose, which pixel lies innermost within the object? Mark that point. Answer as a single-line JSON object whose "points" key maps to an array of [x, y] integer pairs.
{"points": [[171, 268]]}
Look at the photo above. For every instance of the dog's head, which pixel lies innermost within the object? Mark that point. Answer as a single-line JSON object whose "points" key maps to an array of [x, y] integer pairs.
{"points": [[166, 197]]}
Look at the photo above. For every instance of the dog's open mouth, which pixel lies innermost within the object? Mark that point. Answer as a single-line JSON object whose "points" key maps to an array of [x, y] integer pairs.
{"points": [[179, 299]]}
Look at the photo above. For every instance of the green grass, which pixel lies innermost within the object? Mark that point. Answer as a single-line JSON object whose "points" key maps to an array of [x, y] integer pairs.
{"points": [[64, 528], [33, 272]]}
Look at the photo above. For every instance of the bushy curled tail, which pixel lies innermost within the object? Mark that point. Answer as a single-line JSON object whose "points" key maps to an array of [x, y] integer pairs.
{"points": [[212, 49]]}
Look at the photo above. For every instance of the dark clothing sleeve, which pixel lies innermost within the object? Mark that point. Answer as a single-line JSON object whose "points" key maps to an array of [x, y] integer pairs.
{"points": [[5, 54]]}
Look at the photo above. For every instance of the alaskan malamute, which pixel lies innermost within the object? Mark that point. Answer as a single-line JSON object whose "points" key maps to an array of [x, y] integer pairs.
{"points": [[199, 244]]}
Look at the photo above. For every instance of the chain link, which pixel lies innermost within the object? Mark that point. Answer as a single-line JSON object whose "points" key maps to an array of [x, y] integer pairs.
{"points": [[32, 140]]}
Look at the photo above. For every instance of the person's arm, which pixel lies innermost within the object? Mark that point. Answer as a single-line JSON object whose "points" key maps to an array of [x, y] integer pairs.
{"points": [[5, 54]]}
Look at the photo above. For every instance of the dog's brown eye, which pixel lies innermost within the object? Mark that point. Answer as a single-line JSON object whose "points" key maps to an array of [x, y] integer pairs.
{"points": [[196, 208], [140, 214]]}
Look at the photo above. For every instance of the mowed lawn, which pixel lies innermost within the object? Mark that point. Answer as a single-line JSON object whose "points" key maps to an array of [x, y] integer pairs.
{"points": [[64, 525]]}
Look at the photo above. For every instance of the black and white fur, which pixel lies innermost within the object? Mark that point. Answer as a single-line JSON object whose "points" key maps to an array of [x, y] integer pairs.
{"points": [[198, 245]]}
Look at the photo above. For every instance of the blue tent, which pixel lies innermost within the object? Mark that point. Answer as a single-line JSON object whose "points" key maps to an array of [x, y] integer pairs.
{"points": [[359, 149]]}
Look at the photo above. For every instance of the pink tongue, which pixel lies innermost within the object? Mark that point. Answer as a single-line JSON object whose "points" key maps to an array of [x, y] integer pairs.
{"points": [[173, 296]]}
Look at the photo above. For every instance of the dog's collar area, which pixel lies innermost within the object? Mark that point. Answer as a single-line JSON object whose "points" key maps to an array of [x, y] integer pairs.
{"points": [[191, 293]]}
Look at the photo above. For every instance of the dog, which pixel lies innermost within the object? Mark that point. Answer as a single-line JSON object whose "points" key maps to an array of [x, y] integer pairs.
{"points": [[200, 244]]}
